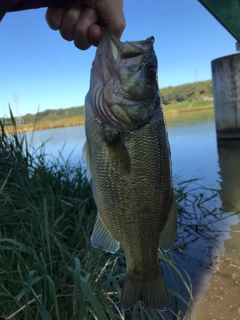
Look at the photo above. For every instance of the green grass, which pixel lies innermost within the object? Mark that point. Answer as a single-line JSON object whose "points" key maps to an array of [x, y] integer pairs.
{"points": [[47, 124], [187, 106], [186, 118], [48, 268]]}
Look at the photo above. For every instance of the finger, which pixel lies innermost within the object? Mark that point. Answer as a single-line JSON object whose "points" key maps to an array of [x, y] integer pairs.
{"points": [[69, 21], [54, 18], [81, 35], [94, 34], [112, 15]]}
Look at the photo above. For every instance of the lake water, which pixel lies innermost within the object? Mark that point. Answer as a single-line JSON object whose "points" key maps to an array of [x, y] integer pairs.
{"points": [[192, 139], [195, 155]]}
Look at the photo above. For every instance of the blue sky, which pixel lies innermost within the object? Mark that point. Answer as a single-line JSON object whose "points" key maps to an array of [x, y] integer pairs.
{"points": [[40, 70]]}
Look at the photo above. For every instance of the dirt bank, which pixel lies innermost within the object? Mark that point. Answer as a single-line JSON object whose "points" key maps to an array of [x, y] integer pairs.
{"points": [[222, 299]]}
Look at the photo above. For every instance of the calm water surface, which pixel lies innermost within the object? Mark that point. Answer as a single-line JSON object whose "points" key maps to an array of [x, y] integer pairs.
{"points": [[195, 155], [62, 143], [192, 139]]}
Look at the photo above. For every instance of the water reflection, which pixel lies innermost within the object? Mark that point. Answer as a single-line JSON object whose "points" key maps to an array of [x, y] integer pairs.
{"points": [[229, 163], [61, 143]]}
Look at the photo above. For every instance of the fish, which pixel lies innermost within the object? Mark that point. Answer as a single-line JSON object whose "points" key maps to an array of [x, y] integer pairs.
{"points": [[129, 164]]}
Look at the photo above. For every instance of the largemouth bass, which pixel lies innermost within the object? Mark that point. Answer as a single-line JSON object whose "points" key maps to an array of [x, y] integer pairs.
{"points": [[128, 158]]}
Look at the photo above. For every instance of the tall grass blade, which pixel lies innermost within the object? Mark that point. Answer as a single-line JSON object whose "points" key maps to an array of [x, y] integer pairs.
{"points": [[88, 291], [44, 314]]}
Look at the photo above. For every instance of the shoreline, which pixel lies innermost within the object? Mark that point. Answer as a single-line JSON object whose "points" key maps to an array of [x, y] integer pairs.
{"points": [[46, 125], [219, 300], [175, 111]]}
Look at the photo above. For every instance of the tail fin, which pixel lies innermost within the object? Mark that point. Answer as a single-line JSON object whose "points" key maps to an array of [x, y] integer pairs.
{"points": [[153, 293]]}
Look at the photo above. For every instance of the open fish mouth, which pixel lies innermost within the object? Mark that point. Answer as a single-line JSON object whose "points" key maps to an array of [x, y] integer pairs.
{"points": [[130, 49], [114, 97]]}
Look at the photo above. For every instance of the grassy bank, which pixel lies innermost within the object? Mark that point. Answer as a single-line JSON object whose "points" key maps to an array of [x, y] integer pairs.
{"points": [[187, 106], [45, 125], [184, 118]]}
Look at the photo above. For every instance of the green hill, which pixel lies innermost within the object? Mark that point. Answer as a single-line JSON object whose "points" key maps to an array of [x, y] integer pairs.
{"points": [[53, 115], [187, 92]]}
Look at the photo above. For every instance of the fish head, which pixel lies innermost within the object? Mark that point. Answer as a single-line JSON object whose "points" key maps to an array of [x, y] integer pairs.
{"points": [[123, 88]]}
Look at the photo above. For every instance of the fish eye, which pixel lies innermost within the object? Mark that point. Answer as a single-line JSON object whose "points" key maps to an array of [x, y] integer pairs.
{"points": [[150, 70]]}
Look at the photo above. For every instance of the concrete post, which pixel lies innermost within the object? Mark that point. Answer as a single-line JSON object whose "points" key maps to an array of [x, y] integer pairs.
{"points": [[226, 92]]}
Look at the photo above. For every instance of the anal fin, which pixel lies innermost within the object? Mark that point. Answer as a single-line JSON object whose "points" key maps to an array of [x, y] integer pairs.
{"points": [[102, 238]]}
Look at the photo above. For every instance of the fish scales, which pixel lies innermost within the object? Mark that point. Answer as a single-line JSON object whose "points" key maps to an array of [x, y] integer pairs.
{"points": [[130, 167]]}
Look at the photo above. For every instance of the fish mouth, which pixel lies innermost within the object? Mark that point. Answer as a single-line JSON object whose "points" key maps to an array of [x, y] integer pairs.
{"points": [[111, 52], [130, 49]]}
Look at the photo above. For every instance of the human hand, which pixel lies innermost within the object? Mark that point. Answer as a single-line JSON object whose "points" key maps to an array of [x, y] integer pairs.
{"points": [[81, 22]]}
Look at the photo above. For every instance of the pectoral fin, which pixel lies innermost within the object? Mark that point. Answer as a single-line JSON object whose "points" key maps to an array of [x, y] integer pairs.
{"points": [[168, 234], [117, 151], [102, 239], [86, 158]]}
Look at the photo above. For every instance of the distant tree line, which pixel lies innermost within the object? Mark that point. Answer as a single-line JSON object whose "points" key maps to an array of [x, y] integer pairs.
{"points": [[187, 92], [49, 115], [52, 115]]}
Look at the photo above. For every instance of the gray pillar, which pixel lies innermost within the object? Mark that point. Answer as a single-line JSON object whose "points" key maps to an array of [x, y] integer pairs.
{"points": [[226, 92]]}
